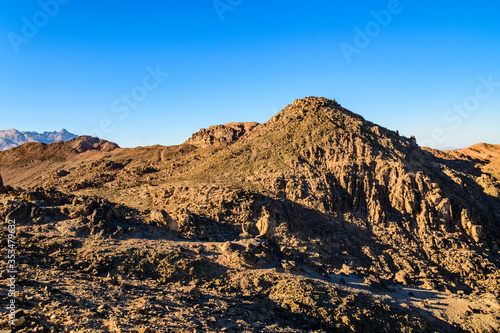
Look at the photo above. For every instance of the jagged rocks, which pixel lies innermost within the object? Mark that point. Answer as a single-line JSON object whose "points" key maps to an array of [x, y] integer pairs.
{"points": [[220, 134], [474, 230]]}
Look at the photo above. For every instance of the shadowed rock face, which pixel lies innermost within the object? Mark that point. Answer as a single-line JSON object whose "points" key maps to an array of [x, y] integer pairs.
{"points": [[220, 134], [316, 189], [2, 188]]}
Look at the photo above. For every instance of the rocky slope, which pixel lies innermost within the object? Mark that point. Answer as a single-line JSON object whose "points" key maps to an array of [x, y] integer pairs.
{"points": [[26, 164], [283, 213], [13, 138]]}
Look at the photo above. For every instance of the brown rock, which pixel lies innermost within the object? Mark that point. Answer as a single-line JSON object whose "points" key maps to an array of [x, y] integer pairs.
{"points": [[471, 228], [402, 277], [227, 247], [18, 322], [161, 218], [266, 224], [476, 232], [220, 134], [375, 282]]}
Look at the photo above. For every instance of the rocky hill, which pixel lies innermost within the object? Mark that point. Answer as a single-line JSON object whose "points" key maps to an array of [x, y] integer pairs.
{"points": [[325, 220], [13, 138], [25, 164]]}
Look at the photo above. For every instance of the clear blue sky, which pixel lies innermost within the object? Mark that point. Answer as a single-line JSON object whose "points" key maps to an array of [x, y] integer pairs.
{"points": [[245, 61]]}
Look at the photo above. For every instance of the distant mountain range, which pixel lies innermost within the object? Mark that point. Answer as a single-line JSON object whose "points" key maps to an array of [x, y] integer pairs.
{"points": [[12, 138]]}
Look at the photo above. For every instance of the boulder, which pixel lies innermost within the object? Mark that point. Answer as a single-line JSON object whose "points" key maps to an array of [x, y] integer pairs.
{"points": [[266, 224], [402, 277], [162, 219]]}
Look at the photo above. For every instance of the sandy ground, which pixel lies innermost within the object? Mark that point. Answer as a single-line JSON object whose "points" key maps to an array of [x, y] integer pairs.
{"points": [[480, 313]]}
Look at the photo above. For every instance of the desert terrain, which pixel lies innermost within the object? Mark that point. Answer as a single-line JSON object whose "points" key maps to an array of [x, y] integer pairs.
{"points": [[315, 221]]}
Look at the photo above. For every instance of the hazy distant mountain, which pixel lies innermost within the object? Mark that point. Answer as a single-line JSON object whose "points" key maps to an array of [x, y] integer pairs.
{"points": [[13, 138]]}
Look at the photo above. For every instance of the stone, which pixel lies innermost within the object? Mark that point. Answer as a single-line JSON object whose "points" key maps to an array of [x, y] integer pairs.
{"points": [[220, 134], [18, 322], [62, 173], [97, 216], [289, 265], [193, 291], [266, 225], [476, 232], [402, 277], [375, 282], [473, 229], [161, 218], [227, 247]]}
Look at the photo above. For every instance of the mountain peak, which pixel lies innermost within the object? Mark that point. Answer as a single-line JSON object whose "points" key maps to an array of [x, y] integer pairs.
{"points": [[12, 138], [313, 103], [314, 100], [314, 106]]}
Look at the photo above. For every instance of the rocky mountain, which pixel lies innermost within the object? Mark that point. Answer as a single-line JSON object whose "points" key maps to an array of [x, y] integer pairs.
{"points": [[325, 220], [13, 138]]}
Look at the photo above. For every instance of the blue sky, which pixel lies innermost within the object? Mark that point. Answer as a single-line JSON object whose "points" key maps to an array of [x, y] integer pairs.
{"points": [[426, 68]]}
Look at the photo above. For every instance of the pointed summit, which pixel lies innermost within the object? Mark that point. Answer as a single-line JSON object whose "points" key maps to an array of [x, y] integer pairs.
{"points": [[312, 131], [12, 138]]}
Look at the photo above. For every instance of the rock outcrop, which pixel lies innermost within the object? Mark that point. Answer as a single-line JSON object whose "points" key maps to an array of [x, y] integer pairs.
{"points": [[220, 134]]}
